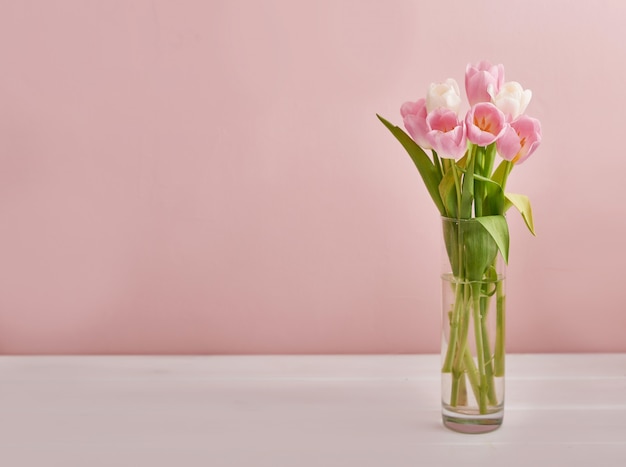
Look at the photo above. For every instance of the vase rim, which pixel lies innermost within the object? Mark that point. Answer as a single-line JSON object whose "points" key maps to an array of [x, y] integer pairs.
{"points": [[456, 219]]}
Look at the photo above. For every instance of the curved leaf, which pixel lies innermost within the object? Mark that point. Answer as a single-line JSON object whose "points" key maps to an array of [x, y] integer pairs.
{"points": [[501, 173], [499, 231], [427, 169], [522, 204], [447, 191]]}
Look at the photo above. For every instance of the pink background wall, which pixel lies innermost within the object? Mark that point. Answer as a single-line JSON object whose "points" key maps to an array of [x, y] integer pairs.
{"points": [[210, 177]]}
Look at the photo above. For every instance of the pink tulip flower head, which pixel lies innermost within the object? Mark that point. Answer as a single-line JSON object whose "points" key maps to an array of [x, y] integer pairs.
{"points": [[483, 81], [520, 139], [485, 124], [414, 116], [447, 133]]}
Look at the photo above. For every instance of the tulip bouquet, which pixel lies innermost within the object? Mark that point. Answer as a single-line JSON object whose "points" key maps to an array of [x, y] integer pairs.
{"points": [[466, 173]]}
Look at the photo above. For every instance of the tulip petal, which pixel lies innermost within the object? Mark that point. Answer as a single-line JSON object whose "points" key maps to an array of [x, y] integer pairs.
{"points": [[528, 130], [447, 133], [509, 144], [414, 117], [485, 123], [444, 94], [483, 81]]}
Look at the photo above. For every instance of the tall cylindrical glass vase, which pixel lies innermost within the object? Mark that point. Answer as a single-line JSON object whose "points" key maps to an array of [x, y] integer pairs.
{"points": [[473, 328]]}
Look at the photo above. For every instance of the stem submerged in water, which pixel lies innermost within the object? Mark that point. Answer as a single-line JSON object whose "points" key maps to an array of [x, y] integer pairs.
{"points": [[500, 329], [473, 359], [481, 397]]}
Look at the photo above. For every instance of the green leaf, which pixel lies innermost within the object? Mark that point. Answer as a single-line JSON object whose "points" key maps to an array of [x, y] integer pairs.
{"points": [[447, 191], [493, 201], [479, 251], [437, 163], [429, 172], [471, 248], [500, 173], [522, 204], [479, 186], [499, 231]]}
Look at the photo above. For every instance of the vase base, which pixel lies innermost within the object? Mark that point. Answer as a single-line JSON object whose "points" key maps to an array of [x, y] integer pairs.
{"points": [[472, 424]]}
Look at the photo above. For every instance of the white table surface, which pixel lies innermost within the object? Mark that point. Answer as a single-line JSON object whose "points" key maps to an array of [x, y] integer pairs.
{"points": [[299, 411]]}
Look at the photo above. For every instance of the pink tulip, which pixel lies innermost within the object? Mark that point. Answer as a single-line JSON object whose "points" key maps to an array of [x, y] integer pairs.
{"points": [[485, 124], [414, 116], [483, 81], [447, 133], [520, 139]]}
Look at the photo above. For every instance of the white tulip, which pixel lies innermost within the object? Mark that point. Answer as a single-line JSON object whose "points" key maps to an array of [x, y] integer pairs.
{"points": [[512, 99], [444, 94]]}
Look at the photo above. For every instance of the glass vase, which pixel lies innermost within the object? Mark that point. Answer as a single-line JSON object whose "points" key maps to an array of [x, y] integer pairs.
{"points": [[473, 328]]}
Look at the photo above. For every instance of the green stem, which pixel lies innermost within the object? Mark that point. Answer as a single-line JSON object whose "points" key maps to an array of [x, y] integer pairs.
{"points": [[490, 157], [455, 321], [478, 185], [500, 329], [480, 356], [491, 389], [457, 186], [458, 367], [472, 372], [459, 295], [462, 391], [458, 327], [508, 166], [467, 195], [467, 366]]}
